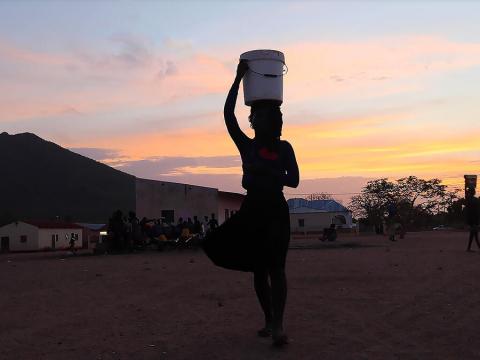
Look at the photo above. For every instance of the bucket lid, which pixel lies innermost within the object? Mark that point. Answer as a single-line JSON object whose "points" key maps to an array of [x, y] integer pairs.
{"points": [[263, 55]]}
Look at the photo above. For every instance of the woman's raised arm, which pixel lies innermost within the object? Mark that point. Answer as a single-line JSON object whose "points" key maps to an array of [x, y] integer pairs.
{"points": [[237, 135]]}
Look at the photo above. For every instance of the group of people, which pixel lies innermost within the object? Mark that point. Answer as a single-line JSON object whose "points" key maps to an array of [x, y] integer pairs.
{"points": [[127, 232], [159, 230], [124, 232]]}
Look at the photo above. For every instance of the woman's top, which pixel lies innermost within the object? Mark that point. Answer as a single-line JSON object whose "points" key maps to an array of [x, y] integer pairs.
{"points": [[266, 167]]}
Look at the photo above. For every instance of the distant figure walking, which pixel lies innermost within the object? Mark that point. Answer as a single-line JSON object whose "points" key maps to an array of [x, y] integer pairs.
{"points": [[472, 217], [73, 238], [256, 238]]}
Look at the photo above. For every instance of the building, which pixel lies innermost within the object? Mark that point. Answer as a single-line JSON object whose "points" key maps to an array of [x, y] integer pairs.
{"points": [[39, 235], [228, 204], [45, 181], [168, 200], [92, 235], [315, 215]]}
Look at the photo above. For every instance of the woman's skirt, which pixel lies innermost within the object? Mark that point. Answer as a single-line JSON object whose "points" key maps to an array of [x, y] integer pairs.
{"points": [[254, 238]]}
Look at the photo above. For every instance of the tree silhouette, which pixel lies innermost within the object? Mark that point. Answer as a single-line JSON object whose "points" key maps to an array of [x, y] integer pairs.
{"points": [[415, 199]]}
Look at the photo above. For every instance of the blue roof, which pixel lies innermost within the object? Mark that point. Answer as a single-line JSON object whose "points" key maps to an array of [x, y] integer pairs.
{"points": [[320, 205]]}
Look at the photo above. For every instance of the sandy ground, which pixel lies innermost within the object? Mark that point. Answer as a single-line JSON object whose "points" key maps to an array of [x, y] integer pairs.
{"points": [[418, 298]]}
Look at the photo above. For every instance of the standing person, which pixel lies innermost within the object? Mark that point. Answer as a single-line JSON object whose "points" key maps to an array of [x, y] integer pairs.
{"points": [[73, 238], [472, 217], [391, 221], [190, 225], [212, 223], [256, 238], [205, 225]]}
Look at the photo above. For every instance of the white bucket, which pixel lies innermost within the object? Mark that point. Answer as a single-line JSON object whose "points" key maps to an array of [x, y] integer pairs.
{"points": [[264, 79]]}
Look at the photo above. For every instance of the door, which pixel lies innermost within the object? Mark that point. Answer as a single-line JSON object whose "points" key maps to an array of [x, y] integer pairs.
{"points": [[54, 238], [5, 244]]}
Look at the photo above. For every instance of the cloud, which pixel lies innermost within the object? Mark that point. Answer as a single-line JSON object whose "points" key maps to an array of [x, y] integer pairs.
{"points": [[144, 101], [133, 73], [98, 153], [133, 51], [157, 167], [375, 145], [356, 68]]}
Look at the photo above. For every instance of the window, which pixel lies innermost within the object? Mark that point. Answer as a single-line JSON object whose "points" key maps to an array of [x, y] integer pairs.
{"points": [[55, 237], [23, 238], [301, 222]]}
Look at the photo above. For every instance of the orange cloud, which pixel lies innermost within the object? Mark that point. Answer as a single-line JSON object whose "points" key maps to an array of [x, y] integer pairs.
{"points": [[346, 147], [210, 170]]}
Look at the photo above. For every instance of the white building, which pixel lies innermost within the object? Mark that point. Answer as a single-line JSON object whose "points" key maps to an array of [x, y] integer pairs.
{"points": [[315, 215], [39, 235]]}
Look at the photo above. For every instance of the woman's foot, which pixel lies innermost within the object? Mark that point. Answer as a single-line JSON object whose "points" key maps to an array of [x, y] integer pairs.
{"points": [[265, 331]]}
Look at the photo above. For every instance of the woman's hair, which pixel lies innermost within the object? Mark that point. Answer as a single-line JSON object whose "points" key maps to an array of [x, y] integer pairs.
{"points": [[268, 112]]}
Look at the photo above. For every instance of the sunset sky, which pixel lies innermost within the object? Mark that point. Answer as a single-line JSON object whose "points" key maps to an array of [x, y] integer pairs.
{"points": [[374, 89]]}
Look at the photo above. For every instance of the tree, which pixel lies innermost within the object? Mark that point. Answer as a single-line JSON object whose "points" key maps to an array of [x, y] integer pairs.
{"points": [[416, 200], [372, 202], [426, 195]]}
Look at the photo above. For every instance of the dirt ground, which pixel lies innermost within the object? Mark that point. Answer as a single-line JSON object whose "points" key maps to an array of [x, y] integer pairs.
{"points": [[364, 298]]}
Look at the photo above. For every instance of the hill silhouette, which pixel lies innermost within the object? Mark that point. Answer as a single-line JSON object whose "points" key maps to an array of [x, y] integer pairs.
{"points": [[41, 180]]}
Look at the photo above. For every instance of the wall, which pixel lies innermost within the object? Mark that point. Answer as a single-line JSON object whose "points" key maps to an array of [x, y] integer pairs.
{"points": [[17, 229], [317, 221], [90, 238], [229, 201], [45, 238], [186, 200]]}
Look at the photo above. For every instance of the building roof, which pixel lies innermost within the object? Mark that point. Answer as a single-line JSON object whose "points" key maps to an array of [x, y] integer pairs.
{"points": [[50, 224], [93, 227], [304, 210], [230, 195], [297, 205]]}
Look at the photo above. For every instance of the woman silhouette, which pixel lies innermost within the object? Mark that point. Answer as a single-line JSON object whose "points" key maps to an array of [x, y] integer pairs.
{"points": [[256, 238]]}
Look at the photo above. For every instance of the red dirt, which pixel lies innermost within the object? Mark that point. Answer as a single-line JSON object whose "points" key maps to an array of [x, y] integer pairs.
{"points": [[415, 299]]}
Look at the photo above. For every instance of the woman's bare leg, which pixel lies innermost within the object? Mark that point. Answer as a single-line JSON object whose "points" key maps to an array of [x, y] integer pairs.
{"points": [[279, 298], [264, 295]]}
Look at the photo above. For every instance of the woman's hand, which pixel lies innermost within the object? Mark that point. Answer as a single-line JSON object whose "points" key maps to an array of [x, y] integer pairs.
{"points": [[242, 68]]}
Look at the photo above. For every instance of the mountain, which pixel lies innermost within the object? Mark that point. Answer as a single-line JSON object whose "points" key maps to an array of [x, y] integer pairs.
{"points": [[41, 180]]}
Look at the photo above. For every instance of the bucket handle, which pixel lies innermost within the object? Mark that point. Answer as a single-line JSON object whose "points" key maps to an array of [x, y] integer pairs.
{"points": [[285, 72]]}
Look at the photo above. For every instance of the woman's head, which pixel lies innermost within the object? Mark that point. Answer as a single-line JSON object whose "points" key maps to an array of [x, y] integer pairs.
{"points": [[266, 119]]}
